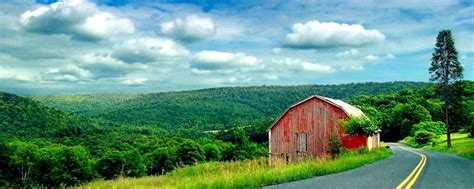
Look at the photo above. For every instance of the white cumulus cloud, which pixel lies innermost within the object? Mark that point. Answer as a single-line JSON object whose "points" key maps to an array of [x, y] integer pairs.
{"points": [[315, 34], [80, 19], [103, 65], [391, 56], [69, 73], [145, 50], [135, 81], [190, 28], [371, 57], [215, 60], [297, 65], [351, 52], [314, 67]]}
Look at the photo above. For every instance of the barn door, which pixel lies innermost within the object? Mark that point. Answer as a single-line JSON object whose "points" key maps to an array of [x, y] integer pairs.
{"points": [[302, 147]]}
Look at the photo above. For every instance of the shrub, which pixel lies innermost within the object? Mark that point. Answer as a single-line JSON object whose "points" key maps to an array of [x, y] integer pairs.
{"points": [[436, 127], [424, 137], [335, 143], [359, 126]]}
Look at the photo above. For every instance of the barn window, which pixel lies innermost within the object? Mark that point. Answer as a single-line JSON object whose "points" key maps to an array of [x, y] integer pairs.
{"points": [[301, 142]]}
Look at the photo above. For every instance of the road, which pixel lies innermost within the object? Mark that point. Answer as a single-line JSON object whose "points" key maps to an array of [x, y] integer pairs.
{"points": [[439, 171]]}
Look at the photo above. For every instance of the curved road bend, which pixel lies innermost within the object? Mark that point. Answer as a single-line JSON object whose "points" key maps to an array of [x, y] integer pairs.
{"points": [[440, 171]]}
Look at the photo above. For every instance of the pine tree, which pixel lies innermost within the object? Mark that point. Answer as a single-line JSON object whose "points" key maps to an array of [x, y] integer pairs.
{"points": [[445, 70]]}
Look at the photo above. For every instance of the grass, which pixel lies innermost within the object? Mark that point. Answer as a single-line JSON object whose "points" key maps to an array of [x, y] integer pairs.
{"points": [[246, 174], [462, 145]]}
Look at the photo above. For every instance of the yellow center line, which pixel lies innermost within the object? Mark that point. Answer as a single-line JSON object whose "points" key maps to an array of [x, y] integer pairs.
{"points": [[413, 176]]}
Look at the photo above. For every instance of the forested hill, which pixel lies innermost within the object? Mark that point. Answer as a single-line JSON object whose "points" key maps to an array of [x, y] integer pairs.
{"points": [[215, 108], [23, 117]]}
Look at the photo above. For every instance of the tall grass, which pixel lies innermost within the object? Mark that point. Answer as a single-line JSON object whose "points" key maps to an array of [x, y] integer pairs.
{"points": [[246, 174]]}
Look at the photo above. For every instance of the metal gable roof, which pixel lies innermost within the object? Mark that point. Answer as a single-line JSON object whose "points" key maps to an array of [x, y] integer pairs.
{"points": [[347, 108]]}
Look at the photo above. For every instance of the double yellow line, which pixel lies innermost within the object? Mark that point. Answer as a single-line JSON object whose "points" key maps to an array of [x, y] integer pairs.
{"points": [[411, 179]]}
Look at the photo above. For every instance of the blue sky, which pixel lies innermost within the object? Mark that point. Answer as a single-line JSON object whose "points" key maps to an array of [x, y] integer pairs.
{"points": [[79, 46]]}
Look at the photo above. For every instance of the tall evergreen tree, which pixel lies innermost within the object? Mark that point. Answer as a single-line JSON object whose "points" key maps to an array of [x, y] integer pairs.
{"points": [[446, 70]]}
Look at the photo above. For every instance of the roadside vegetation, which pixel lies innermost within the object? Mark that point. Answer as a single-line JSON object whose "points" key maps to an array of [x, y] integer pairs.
{"points": [[462, 144], [248, 173]]}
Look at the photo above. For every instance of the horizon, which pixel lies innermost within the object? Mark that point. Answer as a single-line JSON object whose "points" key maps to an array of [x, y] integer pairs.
{"points": [[95, 47], [209, 88]]}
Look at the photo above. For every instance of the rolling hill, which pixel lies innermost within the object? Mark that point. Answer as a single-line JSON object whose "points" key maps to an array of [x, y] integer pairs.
{"points": [[216, 108]]}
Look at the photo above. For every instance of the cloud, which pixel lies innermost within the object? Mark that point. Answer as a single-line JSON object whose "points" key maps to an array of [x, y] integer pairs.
{"points": [[69, 73], [145, 50], [297, 65], [390, 56], [215, 60], [271, 77], [314, 67], [371, 57], [276, 50], [79, 19], [135, 81], [103, 65], [315, 34], [353, 67], [190, 28], [351, 52], [7, 73]]}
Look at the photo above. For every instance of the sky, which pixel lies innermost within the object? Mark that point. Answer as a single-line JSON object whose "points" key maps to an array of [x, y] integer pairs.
{"points": [[52, 47]]}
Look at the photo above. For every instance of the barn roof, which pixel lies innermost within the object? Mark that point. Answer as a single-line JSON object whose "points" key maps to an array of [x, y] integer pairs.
{"points": [[347, 108]]}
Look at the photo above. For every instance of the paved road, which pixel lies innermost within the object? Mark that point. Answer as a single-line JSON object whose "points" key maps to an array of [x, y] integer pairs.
{"points": [[440, 171]]}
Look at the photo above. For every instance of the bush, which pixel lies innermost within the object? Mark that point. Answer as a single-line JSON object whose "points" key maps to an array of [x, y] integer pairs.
{"points": [[424, 137], [335, 143], [359, 126], [436, 127]]}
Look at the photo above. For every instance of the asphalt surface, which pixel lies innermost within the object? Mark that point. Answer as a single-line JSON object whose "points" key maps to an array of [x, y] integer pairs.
{"points": [[441, 171]]}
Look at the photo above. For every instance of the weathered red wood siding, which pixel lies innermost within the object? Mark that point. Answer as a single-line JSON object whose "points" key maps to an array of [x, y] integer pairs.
{"points": [[318, 119]]}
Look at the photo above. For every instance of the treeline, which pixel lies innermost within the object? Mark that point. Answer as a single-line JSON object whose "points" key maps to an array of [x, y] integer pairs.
{"points": [[42, 146], [398, 112], [210, 109]]}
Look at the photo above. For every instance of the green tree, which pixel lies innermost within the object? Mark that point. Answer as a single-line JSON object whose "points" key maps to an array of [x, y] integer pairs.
{"points": [[403, 117], [436, 127], [160, 161], [111, 164], [359, 126], [189, 152], [212, 152], [24, 159], [445, 70]]}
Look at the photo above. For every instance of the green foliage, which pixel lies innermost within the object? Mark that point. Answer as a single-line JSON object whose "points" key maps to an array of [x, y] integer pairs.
{"points": [[63, 165], [160, 161], [436, 127], [210, 109], [424, 137], [336, 144], [189, 152], [212, 152], [404, 116], [359, 126], [111, 165]]}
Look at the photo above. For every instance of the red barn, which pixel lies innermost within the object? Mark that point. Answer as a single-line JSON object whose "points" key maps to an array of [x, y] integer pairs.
{"points": [[303, 130]]}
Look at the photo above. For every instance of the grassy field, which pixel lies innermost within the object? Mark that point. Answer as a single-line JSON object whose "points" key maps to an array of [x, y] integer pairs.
{"points": [[246, 174], [462, 145]]}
